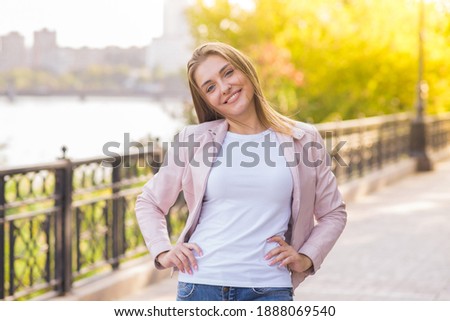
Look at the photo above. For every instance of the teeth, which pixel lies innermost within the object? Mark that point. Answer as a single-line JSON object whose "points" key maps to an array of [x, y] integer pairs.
{"points": [[232, 97]]}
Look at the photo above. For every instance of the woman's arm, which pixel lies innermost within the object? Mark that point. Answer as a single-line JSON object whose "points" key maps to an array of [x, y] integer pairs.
{"points": [[158, 196], [329, 210]]}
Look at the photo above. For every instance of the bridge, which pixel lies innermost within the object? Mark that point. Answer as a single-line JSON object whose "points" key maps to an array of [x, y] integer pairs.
{"points": [[68, 232]]}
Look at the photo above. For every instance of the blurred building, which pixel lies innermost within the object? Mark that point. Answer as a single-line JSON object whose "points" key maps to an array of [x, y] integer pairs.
{"points": [[168, 54], [132, 57], [79, 59], [13, 53], [71, 59], [45, 51], [46, 55]]}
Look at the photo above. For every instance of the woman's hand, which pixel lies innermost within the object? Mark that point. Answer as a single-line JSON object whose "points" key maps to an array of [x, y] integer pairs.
{"points": [[180, 256], [288, 256]]}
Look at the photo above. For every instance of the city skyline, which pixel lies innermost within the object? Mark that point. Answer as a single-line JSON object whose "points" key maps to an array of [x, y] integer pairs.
{"points": [[29, 44], [164, 56], [94, 24]]}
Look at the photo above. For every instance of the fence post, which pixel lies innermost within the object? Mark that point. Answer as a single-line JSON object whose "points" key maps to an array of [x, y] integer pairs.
{"points": [[116, 213], [2, 237], [64, 226], [336, 138], [362, 165]]}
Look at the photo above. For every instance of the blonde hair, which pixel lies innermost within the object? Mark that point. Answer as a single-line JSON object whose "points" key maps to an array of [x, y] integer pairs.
{"points": [[268, 116]]}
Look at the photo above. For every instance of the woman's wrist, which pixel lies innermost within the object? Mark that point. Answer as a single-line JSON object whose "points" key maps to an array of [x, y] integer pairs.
{"points": [[158, 258], [308, 263]]}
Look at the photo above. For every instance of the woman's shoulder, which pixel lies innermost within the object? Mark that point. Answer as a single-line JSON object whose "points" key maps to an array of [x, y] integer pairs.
{"points": [[199, 129], [304, 129]]}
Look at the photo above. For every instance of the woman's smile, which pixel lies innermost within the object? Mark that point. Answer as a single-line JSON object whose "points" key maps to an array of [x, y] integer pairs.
{"points": [[233, 97]]}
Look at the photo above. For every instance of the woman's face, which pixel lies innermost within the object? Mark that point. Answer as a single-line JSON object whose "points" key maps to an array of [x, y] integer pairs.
{"points": [[225, 88]]}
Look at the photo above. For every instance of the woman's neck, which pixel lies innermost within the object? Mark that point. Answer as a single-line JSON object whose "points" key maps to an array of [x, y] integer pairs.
{"points": [[245, 128]]}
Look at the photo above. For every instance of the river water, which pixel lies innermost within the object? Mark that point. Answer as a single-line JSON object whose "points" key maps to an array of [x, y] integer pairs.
{"points": [[33, 129]]}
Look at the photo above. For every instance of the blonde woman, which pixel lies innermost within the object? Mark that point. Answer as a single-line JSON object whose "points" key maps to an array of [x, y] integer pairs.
{"points": [[264, 207]]}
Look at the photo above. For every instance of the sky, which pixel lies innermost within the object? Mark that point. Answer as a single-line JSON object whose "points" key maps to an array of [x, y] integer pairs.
{"points": [[92, 23]]}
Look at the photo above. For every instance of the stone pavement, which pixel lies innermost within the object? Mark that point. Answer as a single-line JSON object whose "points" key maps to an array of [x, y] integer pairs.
{"points": [[396, 246]]}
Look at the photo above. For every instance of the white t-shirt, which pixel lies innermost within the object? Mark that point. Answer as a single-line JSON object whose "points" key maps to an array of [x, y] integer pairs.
{"points": [[247, 200]]}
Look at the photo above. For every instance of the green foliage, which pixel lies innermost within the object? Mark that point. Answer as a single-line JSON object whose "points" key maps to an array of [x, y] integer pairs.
{"points": [[326, 59]]}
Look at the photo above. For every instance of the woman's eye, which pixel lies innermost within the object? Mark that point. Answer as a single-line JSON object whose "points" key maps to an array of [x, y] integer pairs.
{"points": [[210, 88], [229, 72]]}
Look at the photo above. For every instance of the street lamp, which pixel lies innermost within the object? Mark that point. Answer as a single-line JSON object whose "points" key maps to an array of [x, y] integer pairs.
{"points": [[422, 88], [418, 129]]}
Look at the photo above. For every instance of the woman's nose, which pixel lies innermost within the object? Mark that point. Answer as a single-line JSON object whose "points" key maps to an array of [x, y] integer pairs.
{"points": [[226, 89]]}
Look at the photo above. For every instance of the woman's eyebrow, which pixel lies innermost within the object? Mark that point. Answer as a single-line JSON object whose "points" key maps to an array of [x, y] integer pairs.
{"points": [[220, 71]]}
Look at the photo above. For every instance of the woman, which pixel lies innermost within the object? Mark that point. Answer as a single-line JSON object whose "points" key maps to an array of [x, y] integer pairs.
{"points": [[254, 183]]}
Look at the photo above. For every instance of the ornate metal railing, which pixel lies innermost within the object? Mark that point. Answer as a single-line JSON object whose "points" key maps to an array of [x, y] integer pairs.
{"points": [[438, 132], [362, 145], [67, 220], [63, 221]]}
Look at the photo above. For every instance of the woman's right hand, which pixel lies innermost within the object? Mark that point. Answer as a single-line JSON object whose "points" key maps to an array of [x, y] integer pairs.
{"points": [[181, 256]]}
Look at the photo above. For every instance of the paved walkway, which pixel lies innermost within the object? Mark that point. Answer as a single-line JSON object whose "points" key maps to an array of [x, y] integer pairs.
{"points": [[396, 246]]}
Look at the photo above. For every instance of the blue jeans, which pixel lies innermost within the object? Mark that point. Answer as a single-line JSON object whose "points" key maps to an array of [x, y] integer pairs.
{"points": [[202, 292]]}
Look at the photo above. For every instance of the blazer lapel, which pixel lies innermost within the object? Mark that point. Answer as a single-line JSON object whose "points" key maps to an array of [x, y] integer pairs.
{"points": [[209, 143], [292, 158], [201, 165]]}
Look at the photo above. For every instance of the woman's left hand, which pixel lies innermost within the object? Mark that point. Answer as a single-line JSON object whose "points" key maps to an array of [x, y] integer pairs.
{"points": [[288, 256]]}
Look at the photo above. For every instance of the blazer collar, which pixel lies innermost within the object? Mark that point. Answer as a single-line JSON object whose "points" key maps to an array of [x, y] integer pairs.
{"points": [[218, 129], [298, 133]]}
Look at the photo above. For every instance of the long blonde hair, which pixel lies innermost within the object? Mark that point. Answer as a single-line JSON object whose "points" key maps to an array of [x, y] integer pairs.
{"points": [[268, 116]]}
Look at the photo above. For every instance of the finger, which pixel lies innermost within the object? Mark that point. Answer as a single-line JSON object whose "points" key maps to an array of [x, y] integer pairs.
{"points": [[287, 261], [277, 250], [190, 256], [184, 261], [277, 239], [280, 258], [174, 261], [274, 252], [194, 246]]}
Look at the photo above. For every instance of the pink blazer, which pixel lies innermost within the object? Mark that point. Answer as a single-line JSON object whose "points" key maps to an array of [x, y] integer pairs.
{"points": [[318, 211]]}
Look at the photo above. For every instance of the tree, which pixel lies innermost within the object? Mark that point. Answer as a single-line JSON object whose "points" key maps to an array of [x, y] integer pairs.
{"points": [[327, 59]]}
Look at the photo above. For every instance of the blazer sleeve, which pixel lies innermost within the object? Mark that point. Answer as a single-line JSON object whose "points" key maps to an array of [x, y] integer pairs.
{"points": [[329, 209], [158, 196]]}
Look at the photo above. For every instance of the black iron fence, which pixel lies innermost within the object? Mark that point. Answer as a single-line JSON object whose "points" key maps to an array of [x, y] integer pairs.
{"points": [[68, 220], [367, 144], [438, 132]]}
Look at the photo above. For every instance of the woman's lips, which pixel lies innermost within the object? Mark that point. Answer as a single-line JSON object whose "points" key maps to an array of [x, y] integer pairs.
{"points": [[233, 97]]}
